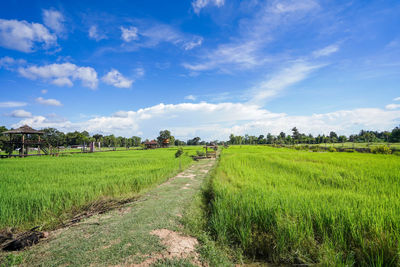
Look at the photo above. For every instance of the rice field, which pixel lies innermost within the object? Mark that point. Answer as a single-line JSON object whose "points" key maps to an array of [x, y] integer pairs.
{"points": [[288, 206], [38, 190]]}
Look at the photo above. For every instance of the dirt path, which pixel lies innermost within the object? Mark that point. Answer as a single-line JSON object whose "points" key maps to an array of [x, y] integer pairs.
{"points": [[137, 234]]}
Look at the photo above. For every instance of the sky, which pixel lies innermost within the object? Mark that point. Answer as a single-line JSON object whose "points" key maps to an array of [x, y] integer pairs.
{"points": [[204, 68]]}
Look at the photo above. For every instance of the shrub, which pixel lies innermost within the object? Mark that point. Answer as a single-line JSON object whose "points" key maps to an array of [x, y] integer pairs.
{"points": [[381, 150], [179, 152], [332, 149], [350, 150]]}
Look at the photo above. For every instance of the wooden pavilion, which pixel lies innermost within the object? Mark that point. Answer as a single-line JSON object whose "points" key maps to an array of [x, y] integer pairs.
{"points": [[151, 144], [23, 142]]}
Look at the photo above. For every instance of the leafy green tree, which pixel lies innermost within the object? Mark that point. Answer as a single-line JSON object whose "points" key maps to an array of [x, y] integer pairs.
{"points": [[395, 136], [164, 135]]}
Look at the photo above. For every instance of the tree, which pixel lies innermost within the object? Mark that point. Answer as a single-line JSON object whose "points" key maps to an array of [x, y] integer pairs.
{"points": [[164, 135], [296, 134], [54, 137], [193, 142], [395, 136]]}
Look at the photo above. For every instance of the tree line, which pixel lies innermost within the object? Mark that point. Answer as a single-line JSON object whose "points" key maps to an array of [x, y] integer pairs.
{"points": [[300, 138], [55, 137]]}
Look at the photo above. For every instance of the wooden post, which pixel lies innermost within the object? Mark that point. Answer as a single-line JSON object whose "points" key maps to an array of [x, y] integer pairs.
{"points": [[23, 145], [39, 146]]}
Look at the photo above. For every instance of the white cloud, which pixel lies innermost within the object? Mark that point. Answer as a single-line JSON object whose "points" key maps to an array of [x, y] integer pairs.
{"points": [[287, 6], [326, 51], [243, 55], [48, 102], [139, 72], [397, 99], [12, 104], [62, 74], [129, 34], [190, 97], [392, 106], [54, 20], [23, 36], [20, 113], [115, 78], [94, 33], [155, 34], [275, 84], [192, 44], [249, 49], [217, 121], [44, 91], [198, 5], [8, 62]]}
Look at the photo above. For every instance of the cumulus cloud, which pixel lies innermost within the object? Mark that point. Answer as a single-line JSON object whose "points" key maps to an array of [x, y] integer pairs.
{"points": [[12, 104], [48, 102], [397, 99], [20, 113], [115, 78], [217, 121], [62, 74], [326, 51], [198, 5], [129, 34], [392, 106], [24, 36], [54, 20], [95, 34]]}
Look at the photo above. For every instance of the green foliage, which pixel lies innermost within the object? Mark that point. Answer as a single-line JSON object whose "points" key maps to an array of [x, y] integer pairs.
{"points": [[381, 150], [298, 207], [38, 190], [332, 149], [11, 260]]}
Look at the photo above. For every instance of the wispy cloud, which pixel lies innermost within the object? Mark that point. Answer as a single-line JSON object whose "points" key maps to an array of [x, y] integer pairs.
{"points": [[326, 51], [392, 106], [249, 48], [198, 5], [115, 78], [48, 102], [397, 99], [283, 79], [190, 97], [95, 34], [12, 104]]}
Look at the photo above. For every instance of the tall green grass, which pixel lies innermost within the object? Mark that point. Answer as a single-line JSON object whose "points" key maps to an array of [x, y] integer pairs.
{"points": [[292, 206], [37, 190]]}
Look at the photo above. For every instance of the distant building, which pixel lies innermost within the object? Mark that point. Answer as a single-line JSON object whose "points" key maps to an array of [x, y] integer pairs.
{"points": [[151, 144]]}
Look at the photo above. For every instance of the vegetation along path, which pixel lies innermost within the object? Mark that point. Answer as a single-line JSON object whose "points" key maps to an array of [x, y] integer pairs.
{"points": [[138, 234]]}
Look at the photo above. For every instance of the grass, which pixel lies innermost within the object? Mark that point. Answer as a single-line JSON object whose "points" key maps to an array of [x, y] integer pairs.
{"points": [[40, 190], [288, 206], [361, 145]]}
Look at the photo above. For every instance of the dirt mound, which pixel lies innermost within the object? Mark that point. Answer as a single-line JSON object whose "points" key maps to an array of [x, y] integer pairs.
{"points": [[178, 246]]}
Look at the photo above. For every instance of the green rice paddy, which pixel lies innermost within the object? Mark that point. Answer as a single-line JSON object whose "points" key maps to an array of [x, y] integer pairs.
{"points": [[283, 205], [38, 190]]}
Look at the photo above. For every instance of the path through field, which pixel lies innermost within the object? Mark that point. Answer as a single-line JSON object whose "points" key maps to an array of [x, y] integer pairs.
{"points": [[137, 234]]}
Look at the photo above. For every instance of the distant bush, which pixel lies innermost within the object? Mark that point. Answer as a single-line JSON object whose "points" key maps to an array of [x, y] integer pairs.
{"points": [[350, 150], [381, 150], [179, 152], [332, 149]]}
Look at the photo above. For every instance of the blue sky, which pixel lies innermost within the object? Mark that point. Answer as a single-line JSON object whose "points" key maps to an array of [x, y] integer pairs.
{"points": [[203, 68]]}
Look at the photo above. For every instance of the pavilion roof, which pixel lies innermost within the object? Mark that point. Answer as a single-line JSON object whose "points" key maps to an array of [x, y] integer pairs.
{"points": [[23, 130]]}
